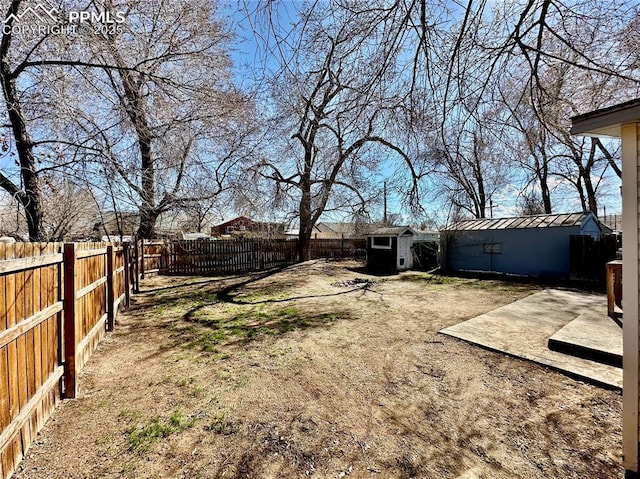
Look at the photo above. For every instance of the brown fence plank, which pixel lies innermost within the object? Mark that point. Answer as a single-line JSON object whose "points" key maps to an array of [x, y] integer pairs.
{"points": [[29, 263], [13, 451], [45, 302], [70, 342], [29, 335], [21, 359], [17, 330], [110, 273], [6, 450], [37, 338], [37, 345]]}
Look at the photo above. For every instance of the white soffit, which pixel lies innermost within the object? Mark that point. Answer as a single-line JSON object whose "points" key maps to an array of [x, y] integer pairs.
{"points": [[606, 122]]}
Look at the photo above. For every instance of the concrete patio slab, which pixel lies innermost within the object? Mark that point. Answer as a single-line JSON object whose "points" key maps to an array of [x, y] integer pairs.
{"points": [[523, 329], [592, 335]]}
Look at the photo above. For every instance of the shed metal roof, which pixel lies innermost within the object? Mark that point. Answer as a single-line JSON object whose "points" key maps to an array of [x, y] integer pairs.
{"points": [[521, 222]]}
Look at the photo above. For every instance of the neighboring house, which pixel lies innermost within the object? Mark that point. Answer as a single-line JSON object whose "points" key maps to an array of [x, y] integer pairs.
{"points": [[536, 246], [246, 227], [168, 225], [389, 249], [612, 221], [194, 236], [332, 230], [175, 224], [425, 235], [112, 224]]}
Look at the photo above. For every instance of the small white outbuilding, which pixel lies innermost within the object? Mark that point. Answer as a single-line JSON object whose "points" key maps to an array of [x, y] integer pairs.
{"points": [[389, 249]]}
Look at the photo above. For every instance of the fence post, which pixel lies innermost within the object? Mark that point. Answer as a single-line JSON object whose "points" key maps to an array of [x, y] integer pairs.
{"points": [[142, 258], [136, 264], [111, 314], [127, 272], [163, 255], [69, 304]]}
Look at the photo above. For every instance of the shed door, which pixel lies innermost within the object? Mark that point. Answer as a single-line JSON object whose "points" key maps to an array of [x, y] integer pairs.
{"points": [[404, 252]]}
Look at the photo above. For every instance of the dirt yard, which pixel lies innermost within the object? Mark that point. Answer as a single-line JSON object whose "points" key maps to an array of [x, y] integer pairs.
{"points": [[321, 371]]}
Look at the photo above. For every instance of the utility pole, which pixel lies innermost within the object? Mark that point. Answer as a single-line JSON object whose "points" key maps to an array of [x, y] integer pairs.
{"points": [[384, 215]]}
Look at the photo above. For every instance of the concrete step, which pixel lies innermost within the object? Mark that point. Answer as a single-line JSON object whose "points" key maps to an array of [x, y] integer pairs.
{"points": [[591, 335]]}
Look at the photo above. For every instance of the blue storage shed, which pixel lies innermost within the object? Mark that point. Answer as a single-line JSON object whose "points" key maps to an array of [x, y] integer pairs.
{"points": [[534, 246]]}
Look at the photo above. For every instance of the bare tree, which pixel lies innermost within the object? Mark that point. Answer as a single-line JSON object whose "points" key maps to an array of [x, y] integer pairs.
{"points": [[332, 108], [144, 102], [69, 212], [28, 190], [584, 163], [471, 165], [165, 108], [530, 143], [551, 60]]}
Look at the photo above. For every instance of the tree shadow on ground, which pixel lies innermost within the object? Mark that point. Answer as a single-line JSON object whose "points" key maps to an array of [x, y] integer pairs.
{"points": [[213, 314], [196, 291], [250, 320]]}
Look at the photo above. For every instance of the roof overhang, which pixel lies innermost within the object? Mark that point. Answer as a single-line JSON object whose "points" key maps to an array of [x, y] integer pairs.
{"points": [[606, 122], [394, 231]]}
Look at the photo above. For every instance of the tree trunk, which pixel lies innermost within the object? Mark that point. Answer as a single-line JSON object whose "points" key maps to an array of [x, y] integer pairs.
{"points": [[543, 179], [583, 200], [147, 228], [304, 246], [306, 226], [148, 212], [592, 202], [546, 196], [31, 196], [33, 212], [136, 108], [585, 172]]}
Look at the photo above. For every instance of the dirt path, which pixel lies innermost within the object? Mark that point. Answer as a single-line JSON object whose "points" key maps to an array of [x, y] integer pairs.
{"points": [[322, 371]]}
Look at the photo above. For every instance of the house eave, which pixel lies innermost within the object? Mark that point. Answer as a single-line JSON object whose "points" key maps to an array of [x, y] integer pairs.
{"points": [[606, 122]]}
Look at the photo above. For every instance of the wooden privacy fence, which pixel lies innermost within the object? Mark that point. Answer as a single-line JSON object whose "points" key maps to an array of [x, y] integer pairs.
{"points": [[588, 257], [338, 248], [150, 255], [204, 257], [226, 256], [56, 302]]}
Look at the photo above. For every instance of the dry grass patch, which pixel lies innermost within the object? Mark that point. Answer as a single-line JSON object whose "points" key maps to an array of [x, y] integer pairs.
{"points": [[321, 370]]}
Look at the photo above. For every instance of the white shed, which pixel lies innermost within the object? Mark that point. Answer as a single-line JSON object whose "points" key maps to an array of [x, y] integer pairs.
{"points": [[389, 249]]}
